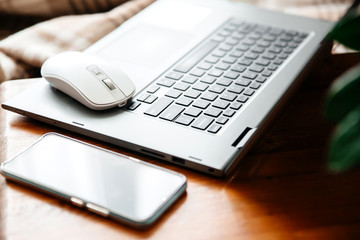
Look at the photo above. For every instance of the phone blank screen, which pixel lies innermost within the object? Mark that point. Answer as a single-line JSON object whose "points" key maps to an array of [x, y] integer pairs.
{"points": [[126, 187]]}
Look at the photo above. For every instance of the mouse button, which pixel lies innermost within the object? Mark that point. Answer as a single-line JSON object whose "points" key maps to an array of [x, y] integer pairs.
{"points": [[124, 83], [109, 84], [96, 72]]}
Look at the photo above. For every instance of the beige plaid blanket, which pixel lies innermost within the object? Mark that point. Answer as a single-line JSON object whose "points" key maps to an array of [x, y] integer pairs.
{"points": [[28, 49]]}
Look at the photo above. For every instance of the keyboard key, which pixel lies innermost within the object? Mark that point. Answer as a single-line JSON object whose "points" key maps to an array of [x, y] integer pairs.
{"points": [[255, 35], [228, 96], [249, 75], [166, 82], [236, 105], [251, 56], [236, 53], [266, 73], [286, 38], [174, 75], [242, 99], [201, 104], [191, 93], [257, 49], [181, 86], [288, 50], [212, 59], [153, 89], [229, 113], [224, 33], [216, 89], [243, 82], [278, 61], [274, 50], [275, 31], [255, 85], [209, 96], [229, 59], [190, 79], [208, 79], [262, 29], [272, 67], [222, 120], [172, 112], [256, 68], [184, 101], [292, 33], [260, 79], [231, 75], [269, 38], [224, 82], [134, 105], [213, 112], [214, 128], [238, 68], [202, 123], [150, 99], [248, 92], [232, 41], [216, 73], [142, 97], [238, 35], [184, 120], [263, 43], [159, 106], [222, 66], [193, 58], [225, 47], [242, 47], [193, 112], [245, 62], [200, 86], [205, 66], [235, 89], [249, 42], [280, 44], [197, 72], [246, 27], [173, 93], [222, 104], [283, 56], [269, 56], [218, 53]]}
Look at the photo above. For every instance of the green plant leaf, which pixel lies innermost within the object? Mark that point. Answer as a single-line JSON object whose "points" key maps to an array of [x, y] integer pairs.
{"points": [[344, 95], [345, 145], [347, 31]]}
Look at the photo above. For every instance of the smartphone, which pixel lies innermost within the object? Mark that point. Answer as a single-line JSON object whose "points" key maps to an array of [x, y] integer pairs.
{"points": [[104, 182]]}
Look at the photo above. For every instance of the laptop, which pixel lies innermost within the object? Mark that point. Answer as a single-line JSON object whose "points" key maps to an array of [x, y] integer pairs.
{"points": [[209, 74]]}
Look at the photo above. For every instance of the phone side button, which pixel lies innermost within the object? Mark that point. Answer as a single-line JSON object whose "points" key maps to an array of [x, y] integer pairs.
{"points": [[77, 202], [96, 209]]}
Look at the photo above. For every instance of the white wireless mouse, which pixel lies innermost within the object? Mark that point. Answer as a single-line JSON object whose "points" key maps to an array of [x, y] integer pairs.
{"points": [[97, 84]]}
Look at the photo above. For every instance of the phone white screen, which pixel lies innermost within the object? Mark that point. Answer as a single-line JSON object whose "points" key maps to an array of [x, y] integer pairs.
{"points": [[128, 188]]}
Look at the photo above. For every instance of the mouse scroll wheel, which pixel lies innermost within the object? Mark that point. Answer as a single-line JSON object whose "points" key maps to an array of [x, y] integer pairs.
{"points": [[109, 84]]}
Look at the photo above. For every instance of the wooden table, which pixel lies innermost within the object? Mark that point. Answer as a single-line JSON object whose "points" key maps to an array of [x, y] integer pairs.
{"points": [[282, 189]]}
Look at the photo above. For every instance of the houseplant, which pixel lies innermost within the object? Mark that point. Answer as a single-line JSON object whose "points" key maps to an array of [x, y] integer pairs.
{"points": [[343, 102]]}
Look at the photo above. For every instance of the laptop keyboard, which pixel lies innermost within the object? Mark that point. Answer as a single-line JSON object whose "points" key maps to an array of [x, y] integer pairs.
{"points": [[206, 88]]}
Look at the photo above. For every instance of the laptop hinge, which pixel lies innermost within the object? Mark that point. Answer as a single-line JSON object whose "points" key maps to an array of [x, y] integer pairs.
{"points": [[243, 137]]}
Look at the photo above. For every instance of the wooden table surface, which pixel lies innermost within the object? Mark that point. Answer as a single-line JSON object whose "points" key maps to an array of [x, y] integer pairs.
{"points": [[282, 189]]}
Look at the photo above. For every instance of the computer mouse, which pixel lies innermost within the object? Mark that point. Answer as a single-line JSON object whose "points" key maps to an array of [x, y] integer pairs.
{"points": [[96, 83]]}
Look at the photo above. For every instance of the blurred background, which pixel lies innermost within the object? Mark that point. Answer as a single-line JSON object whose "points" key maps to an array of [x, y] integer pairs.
{"points": [[19, 14]]}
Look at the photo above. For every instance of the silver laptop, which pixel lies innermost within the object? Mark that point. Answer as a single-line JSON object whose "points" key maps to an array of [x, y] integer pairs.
{"points": [[208, 74]]}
